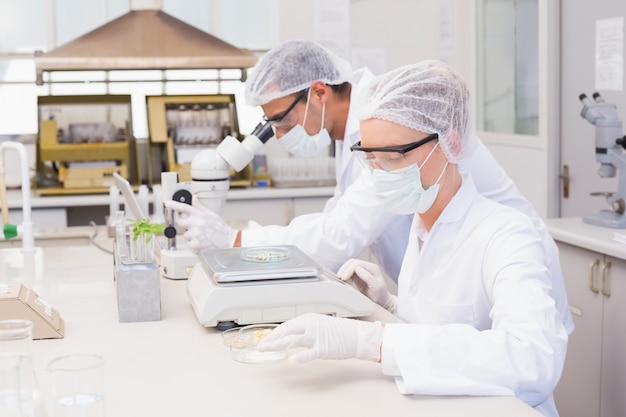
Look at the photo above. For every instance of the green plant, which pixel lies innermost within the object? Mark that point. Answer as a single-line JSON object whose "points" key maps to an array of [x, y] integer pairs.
{"points": [[145, 228]]}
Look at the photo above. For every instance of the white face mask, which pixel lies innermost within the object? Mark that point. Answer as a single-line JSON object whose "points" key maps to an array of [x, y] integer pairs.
{"points": [[401, 192], [299, 142]]}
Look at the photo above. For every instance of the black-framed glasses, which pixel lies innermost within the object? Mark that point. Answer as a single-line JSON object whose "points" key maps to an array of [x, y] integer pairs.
{"points": [[402, 149], [388, 158], [281, 116]]}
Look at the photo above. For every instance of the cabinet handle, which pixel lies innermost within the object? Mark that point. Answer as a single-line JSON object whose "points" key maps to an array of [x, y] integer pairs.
{"points": [[605, 267], [565, 177], [592, 266]]}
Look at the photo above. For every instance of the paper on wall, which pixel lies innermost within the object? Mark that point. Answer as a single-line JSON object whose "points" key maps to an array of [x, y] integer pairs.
{"points": [[609, 54]]}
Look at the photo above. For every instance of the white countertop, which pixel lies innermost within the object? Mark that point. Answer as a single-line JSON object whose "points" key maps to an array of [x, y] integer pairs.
{"points": [[574, 231], [14, 197], [176, 367]]}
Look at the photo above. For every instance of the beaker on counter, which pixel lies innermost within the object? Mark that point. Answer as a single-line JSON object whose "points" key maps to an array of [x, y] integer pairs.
{"points": [[10, 385], [18, 384], [78, 385], [16, 336]]}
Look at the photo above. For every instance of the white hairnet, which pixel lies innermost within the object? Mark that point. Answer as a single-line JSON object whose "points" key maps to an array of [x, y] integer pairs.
{"points": [[429, 97], [292, 67]]}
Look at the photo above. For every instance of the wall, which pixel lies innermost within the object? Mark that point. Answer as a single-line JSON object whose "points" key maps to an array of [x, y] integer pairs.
{"points": [[409, 30]]}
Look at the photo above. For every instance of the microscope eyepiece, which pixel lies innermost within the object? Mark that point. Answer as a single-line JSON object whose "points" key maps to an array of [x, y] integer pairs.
{"points": [[263, 131]]}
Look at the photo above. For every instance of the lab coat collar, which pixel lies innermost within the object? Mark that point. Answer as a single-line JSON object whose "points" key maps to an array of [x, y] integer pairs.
{"points": [[360, 79], [455, 210], [343, 155]]}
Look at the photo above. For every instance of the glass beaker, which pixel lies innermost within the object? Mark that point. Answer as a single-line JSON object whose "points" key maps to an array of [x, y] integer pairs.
{"points": [[78, 385], [10, 384], [142, 248], [16, 338]]}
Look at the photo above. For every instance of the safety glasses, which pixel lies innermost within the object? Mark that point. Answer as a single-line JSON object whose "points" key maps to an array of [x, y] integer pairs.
{"points": [[388, 158], [276, 120]]}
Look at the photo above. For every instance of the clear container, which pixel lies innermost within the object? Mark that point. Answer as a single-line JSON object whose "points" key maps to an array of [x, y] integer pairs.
{"points": [[16, 339], [245, 349], [16, 336], [78, 385], [11, 365], [232, 337]]}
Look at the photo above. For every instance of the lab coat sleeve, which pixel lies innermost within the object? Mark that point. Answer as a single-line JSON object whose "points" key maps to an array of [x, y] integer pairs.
{"points": [[523, 352], [335, 235], [492, 182]]}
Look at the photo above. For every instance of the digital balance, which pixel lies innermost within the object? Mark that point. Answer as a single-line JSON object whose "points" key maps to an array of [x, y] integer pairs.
{"points": [[239, 286]]}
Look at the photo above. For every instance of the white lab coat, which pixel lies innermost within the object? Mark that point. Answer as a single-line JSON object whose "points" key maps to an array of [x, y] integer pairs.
{"points": [[480, 307], [352, 220]]}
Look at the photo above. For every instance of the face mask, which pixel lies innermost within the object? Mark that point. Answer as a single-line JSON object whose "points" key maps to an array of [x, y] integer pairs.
{"points": [[299, 142], [401, 192]]}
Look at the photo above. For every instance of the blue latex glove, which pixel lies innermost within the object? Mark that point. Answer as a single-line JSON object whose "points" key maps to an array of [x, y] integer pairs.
{"points": [[326, 337]]}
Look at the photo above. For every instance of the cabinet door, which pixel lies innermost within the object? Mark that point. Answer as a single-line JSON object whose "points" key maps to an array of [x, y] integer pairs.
{"points": [[306, 205], [265, 212], [578, 392], [613, 388], [46, 218]]}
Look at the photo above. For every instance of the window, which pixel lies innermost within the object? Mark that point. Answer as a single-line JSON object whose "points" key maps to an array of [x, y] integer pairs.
{"points": [[508, 66]]}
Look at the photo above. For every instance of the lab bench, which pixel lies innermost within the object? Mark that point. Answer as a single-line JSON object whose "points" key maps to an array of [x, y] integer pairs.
{"points": [[594, 270], [177, 367], [263, 205]]}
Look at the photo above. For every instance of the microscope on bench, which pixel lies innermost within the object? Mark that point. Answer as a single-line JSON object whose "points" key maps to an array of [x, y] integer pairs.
{"points": [[611, 154], [210, 172]]}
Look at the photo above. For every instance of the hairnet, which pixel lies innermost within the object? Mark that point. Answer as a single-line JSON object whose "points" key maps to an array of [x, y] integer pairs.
{"points": [[429, 97], [292, 67]]}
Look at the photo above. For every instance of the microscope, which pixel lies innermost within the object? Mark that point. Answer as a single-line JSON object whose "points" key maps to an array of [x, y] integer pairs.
{"points": [[610, 153], [210, 172]]}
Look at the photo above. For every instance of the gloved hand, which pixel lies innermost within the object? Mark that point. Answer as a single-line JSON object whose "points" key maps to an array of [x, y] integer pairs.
{"points": [[203, 229], [368, 278], [326, 337]]}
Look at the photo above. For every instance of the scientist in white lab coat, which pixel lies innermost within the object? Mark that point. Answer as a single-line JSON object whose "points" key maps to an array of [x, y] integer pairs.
{"points": [[306, 93], [475, 292]]}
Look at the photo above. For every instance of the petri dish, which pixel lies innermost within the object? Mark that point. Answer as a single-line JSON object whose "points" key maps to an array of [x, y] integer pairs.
{"points": [[253, 356], [254, 333], [245, 350], [268, 254], [232, 337]]}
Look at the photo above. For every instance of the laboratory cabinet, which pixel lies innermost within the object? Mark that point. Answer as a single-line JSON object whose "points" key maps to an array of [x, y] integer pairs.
{"points": [[593, 382], [277, 211], [306, 205], [48, 218]]}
